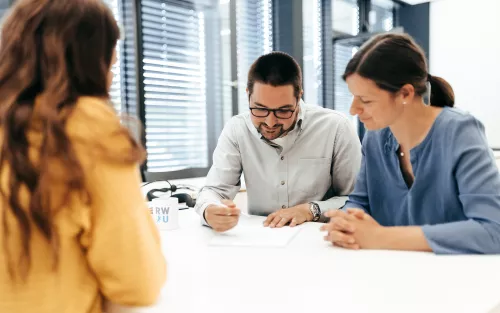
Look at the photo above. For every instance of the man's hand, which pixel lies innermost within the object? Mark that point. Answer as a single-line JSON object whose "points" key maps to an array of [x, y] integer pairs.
{"points": [[222, 217], [295, 216], [353, 229]]}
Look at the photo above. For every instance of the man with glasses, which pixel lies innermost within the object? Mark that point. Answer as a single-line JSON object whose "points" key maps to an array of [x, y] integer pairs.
{"points": [[298, 160]]}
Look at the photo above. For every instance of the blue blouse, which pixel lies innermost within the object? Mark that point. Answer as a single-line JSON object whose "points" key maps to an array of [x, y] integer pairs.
{"points": [[455, 196]]}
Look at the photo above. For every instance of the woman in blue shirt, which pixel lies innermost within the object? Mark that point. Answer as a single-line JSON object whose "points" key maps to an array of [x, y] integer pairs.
{"points": [[428, 180]]}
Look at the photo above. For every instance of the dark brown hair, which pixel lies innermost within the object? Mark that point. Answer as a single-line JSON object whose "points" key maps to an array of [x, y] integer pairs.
{"points": [[52, 52], [276, 69], [394, 60]]}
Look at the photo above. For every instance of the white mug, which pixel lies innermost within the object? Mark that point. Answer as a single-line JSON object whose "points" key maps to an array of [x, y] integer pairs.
{"points": [[165, 212]]}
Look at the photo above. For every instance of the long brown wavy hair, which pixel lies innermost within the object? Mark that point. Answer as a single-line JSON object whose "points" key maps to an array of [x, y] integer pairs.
{"points": [[52, 52]]}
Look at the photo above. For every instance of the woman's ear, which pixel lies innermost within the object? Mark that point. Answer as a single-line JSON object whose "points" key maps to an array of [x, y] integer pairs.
{"points": [[407, 92]]}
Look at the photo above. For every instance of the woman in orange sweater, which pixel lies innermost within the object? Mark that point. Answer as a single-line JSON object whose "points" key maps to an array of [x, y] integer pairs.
{"points": [[74, 227]]}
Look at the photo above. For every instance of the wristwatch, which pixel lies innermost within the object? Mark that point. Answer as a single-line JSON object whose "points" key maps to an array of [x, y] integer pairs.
{"points": [[315, 210]]}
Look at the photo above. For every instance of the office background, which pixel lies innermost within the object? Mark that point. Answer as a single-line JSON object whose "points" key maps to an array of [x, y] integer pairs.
{"points": [[182, 64]]}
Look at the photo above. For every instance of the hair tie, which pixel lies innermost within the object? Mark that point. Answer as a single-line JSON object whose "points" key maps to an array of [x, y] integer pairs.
{"points": [[429, 77]]}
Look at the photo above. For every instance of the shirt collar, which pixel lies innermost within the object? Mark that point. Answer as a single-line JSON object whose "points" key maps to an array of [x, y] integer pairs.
{"points": [[390, 144], [302, 113]]}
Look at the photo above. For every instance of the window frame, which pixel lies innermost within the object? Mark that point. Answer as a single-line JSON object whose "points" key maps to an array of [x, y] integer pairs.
{"points": [[363, 35]]}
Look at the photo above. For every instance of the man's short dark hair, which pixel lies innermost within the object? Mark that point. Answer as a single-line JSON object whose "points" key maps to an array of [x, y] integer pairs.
{"points": [[276, 69]]}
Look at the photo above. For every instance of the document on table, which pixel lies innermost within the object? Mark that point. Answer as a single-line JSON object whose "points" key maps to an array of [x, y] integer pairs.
{"points": [[255, 236]]}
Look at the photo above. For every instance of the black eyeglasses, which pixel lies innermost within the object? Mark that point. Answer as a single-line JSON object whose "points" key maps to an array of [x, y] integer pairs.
{"points": [[279, 113]]}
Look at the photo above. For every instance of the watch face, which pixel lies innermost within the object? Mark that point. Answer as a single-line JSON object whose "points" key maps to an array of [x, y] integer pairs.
{"points": [[315, 210]]}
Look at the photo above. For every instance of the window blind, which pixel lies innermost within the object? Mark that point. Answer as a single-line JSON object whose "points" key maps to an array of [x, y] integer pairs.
{"points": [[254, 37], [173, 38], [343, 98]]}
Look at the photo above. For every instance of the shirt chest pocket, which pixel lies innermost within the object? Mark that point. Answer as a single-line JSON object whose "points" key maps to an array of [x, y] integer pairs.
{"points": [[313, 175]]}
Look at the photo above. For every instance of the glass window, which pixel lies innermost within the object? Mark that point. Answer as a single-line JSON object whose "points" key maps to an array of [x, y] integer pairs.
{"points": [[312, 59], [381, 16], [345, 17]]}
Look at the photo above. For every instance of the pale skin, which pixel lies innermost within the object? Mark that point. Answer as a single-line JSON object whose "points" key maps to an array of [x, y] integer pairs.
{"points": [[224, 217], [409, 120]]}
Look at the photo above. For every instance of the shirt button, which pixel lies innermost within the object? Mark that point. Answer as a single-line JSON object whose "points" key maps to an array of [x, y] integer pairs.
{"points": [[282, 182], [282, 158], [283, 206]]}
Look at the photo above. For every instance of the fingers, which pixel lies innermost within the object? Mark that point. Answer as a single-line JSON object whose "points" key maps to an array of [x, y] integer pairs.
{"points": [[224, 227], [275, 221], [222, 218], [269, 218], [336, 213], [282, 218], [223, 210], [343, 225], [327, 227], [357, 212], [283, 221], [339, 238], [353, 246], [228, 203], [340, 224], [221, 223]]}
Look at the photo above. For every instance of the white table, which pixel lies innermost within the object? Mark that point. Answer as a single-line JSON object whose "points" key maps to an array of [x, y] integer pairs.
{"points": [[310, 275]]}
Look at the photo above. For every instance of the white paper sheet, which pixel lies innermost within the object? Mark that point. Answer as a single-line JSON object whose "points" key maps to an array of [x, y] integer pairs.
{"points": [[255, 236]]}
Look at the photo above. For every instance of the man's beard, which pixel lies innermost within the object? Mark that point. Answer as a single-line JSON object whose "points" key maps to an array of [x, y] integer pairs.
{"points": [[277, 131]]}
